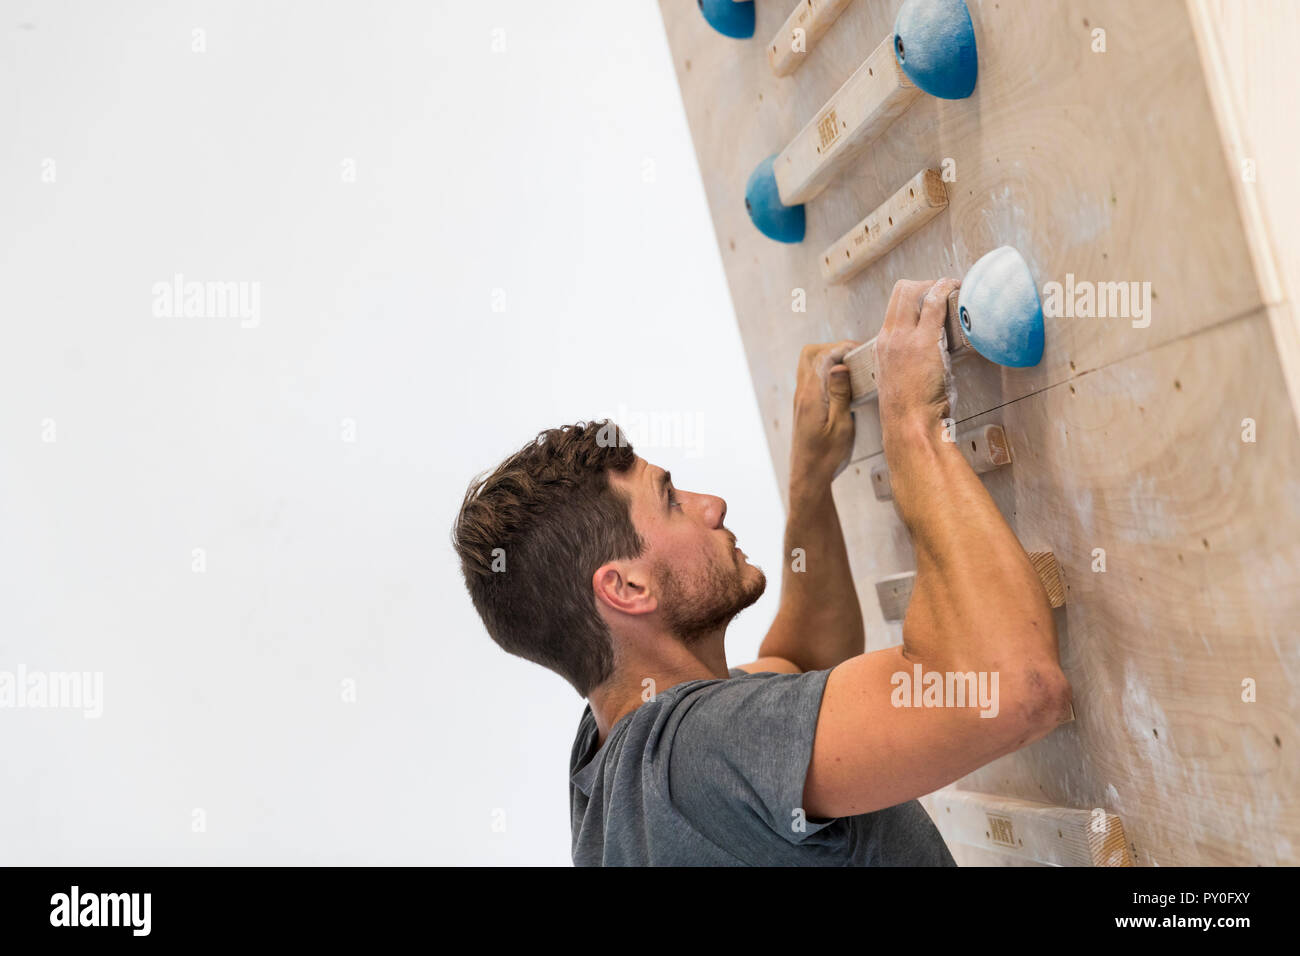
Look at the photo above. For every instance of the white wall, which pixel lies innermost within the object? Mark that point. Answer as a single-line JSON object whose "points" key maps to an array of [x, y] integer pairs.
{"points": [[560, 171]]}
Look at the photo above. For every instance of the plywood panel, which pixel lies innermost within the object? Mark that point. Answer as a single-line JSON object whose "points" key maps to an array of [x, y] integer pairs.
{"points": [[1201, 591], [1104, 165], [1114, 166]]}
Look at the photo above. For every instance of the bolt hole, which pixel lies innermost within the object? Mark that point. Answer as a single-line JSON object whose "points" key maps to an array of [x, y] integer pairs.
{"points": [[891, 220], [911, 193]]}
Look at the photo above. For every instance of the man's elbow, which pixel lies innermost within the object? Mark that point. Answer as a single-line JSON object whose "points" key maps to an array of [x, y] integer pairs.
{"points": [[1045, 701]]}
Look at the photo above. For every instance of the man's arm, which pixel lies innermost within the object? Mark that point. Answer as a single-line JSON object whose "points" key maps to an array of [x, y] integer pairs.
{"points": [[770, 665], [977, 606], [819, 622]]}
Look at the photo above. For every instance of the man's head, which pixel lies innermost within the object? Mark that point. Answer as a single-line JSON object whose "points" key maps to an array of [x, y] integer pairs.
{"points": [[574, 545]]}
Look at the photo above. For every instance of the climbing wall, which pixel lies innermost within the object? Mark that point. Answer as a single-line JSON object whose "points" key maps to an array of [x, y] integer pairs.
{"points": [[1156, 457]]}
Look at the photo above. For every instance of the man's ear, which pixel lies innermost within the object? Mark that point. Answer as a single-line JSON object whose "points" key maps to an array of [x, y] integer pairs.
{"points": [[624, 586]]}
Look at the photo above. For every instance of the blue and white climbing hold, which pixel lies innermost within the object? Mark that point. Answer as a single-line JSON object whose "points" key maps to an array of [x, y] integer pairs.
{"points": [[729, 18], [763, 203], [1000, 311], [934, 43]]}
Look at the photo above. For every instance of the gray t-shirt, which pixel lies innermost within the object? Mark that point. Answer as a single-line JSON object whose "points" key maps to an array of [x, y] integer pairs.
{"points": [[711, 773]]}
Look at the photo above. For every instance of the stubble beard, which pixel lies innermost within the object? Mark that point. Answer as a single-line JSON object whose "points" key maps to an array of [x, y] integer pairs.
{"points": [[696, 608]]}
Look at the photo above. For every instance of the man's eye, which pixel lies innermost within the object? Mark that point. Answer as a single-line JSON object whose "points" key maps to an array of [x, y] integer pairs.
{"points": [[672, 499]]}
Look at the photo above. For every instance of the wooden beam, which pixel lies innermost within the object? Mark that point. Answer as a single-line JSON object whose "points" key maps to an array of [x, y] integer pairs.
{"points": [[918, 201], [859, 111], [1041, 832], [787, 51], [862, 360], [895, 591], [985, 447]]}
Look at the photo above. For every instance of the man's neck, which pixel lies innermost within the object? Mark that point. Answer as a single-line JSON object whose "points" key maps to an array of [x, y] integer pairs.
{"points": [[637, 681]]}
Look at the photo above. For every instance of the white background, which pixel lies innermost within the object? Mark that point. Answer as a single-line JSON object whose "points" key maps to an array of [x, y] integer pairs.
{"points": [[559, 171]]}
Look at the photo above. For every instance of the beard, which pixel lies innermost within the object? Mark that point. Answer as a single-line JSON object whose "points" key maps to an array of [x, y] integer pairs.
{"points": [[700, 604]]}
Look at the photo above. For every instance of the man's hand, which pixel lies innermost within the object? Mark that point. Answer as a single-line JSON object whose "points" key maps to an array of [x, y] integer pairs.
{"points": [[819, 622], [910, 370], [823, 427]]}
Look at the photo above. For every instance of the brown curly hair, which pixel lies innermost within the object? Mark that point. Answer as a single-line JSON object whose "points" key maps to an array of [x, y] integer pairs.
{"points": [[532, 533]]}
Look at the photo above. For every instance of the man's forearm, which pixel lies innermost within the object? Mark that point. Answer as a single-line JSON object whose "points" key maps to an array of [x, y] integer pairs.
{"points": [[977, 601], [819, 623]]}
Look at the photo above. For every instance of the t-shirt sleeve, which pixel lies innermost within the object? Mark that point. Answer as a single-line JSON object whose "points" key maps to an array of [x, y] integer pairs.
{"points": [[740, 754]]}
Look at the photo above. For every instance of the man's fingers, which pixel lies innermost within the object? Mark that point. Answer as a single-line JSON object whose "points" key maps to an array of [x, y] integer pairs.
{"points": [[827, 357], [909, 302], [891, 310], [934, 307], [903, 304], [839, 391], [841, 349]]}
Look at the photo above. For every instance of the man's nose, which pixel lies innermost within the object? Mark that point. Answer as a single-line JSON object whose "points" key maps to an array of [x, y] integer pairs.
{"points": [[716, 510]]}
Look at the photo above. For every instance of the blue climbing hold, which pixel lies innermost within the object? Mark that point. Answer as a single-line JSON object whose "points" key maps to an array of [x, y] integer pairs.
{"points": [[1000, 310], [763, 203], [729, 18], [934, 43]]}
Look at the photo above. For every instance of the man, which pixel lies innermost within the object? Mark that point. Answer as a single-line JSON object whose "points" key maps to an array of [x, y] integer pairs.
{"points": [[585, 558]]}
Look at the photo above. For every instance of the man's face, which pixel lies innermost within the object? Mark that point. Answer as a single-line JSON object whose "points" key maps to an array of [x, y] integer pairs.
{"points": [[703, 579]]}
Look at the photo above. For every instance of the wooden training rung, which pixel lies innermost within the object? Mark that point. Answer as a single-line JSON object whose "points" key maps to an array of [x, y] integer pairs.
{"points": [[985, 447], [1049, 572], [788, 49], [919, 200], [1059, 836], [862, 360], [859, 111], [895, 592]]}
